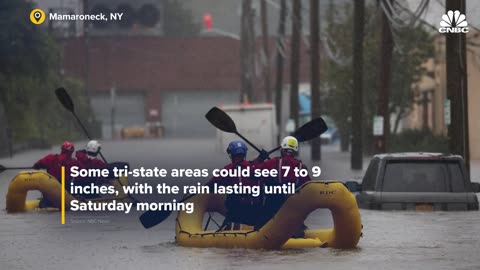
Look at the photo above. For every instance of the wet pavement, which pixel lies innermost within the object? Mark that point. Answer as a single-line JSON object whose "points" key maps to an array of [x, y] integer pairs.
{"points": [[391, 240]]}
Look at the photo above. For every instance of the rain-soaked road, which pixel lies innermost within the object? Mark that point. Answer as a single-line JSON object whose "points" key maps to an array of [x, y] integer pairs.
{"points": [[392, 240]]}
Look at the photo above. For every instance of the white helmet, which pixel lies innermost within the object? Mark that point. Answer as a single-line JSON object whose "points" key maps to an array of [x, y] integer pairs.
{"points": [[93, 148], [289, 142]]}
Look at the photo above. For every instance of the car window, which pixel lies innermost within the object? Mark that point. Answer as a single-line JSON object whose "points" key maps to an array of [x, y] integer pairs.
{"points": [[456, 177], [416, 176], [368, 182]]}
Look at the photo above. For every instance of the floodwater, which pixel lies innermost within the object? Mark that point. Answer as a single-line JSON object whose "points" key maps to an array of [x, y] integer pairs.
{"points": [[391, 240]]}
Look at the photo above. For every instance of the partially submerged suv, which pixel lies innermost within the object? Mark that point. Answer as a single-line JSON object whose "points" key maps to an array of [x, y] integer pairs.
{"points": [[416, 181]]}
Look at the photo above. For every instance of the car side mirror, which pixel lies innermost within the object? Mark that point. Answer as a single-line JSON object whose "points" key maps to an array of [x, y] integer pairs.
{"points": [[476, 187], [353, 186]]}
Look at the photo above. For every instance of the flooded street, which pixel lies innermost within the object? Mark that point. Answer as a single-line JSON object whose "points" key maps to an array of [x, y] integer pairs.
{"points": [[180, 88], [391, 240]]}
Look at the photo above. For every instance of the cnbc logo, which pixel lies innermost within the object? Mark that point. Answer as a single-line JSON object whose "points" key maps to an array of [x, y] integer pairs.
{"points": [[37, 16], [453, 22]]}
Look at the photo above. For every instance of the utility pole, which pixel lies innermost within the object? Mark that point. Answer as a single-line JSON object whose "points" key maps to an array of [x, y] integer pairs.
{"points": [[266, 54], [251, 51], [279, 63], [384, 82], [356, 158], [247, 52], [295, 60], [424, 101], [87, 49], [243, 53], [457, 88], [5, 132], [316, 151], [113, 97]]}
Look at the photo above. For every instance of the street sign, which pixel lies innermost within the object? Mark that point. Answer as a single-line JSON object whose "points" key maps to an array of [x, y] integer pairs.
{"points": [[377, 125], [447, 112]]}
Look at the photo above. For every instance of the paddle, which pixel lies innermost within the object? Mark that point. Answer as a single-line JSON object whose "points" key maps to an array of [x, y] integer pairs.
{"points": [[152, 218], [222, 121], [308, 131], [67, 102], [218, 119], [3, 168]]}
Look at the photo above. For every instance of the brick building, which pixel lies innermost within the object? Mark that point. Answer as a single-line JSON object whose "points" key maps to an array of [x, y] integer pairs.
{"points": [[174, 81]]}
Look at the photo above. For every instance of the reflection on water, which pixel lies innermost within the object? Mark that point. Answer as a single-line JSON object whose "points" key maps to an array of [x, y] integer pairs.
{"points": [[394, 240]]}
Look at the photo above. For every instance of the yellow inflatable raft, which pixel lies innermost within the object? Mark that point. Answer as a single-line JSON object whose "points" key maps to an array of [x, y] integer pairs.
{"points": [[50, 188], [276, 233]]}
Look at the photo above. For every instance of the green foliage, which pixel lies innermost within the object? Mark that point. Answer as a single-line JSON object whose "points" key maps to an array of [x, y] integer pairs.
{"points": [[413, 46], [178, 20], [33, 112], [28, 77], [417, 141], [20, 39]]}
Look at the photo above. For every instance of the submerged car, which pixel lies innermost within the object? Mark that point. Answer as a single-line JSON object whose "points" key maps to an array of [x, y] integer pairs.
{"points": [[416, 181]]}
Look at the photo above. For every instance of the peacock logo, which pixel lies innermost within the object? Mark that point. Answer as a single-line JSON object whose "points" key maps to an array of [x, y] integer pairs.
{"points": [[453, 22]]}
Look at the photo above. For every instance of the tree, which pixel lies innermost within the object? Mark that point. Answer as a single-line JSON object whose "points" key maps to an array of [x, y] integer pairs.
{"points": [[407, 69], [23, 49], [316, 152], [279, 62], [29, 73], [295, 60], [413, 46], [356, 160]]}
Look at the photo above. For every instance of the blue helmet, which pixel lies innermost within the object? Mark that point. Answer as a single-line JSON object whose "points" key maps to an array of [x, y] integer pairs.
{"points": [[237, 148]]}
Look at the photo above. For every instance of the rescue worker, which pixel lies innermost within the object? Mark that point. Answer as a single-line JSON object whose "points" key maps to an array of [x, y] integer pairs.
{"points": [[53, 163], [273, 202], [241, 208], [88, 159]]}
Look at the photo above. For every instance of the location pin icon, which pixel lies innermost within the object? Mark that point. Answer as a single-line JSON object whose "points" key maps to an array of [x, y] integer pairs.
{"points": [[37, 15]]}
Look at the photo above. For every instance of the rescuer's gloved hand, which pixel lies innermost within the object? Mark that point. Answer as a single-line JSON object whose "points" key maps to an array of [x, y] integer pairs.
{"points": [[263, 156]]}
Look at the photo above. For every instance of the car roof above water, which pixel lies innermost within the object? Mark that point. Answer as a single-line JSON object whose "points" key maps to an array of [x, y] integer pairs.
{"points": [[418, 156]]}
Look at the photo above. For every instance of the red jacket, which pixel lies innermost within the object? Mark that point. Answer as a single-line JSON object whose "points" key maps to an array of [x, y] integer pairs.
{"points": [[53, 164], [279, 162], [237, 200], [88, 163], [230, 181]]}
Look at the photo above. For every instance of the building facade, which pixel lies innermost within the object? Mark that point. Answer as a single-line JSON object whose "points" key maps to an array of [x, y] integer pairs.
{"points": [[173, 81], [434, 87]]}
